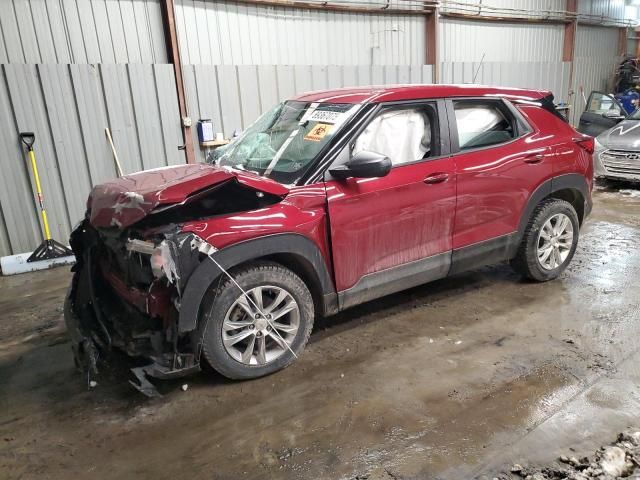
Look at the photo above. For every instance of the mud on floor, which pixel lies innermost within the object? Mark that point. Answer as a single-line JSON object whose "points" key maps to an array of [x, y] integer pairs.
{"points": [[455, 379]]}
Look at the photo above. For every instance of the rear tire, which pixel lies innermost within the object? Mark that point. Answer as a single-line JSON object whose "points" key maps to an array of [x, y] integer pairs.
{"points": [[240, 343], [549, 241]]}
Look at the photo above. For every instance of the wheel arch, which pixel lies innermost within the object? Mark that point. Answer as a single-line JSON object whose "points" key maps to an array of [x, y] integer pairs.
{"points": [[574, 197], [571, 187], [293, 251]]}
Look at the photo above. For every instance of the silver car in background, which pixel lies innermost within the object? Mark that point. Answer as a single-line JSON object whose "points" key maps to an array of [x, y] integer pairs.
{"points": [[617, 146], [617, 151]]}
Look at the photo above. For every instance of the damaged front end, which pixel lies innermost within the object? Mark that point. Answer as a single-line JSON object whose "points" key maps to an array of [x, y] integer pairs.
{"points": [[126, 295], [128, 281]]}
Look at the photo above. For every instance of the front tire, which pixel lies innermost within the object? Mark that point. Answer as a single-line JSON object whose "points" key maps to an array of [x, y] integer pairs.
{"points": [[549, 241], [251, 337]]}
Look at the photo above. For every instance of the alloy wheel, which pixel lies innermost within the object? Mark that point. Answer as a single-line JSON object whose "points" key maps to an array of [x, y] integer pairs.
{"points": [[259, 330], [555, 241]]}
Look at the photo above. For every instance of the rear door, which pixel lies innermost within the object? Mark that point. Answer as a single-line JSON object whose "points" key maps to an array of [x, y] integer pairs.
{"points": [[601, 113], [394, 232], [500, 160]]}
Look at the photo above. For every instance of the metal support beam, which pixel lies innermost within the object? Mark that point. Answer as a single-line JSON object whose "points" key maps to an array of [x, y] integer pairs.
{"points": [[504, 19], [569, 44], [569, 34], [327, 6], [431, 36], [173, 53]]}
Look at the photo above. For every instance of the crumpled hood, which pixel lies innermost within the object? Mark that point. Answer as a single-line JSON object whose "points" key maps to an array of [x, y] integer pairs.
{"points": [[624, 136], [124, 201]]}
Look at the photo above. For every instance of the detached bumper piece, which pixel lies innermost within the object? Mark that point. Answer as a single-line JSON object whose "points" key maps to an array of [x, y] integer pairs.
{"points": [[142, 324], [161, 372]]}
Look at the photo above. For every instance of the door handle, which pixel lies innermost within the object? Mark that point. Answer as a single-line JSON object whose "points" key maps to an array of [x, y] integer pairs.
{"points": [[585, 122], [436, 178], [537, 158]]}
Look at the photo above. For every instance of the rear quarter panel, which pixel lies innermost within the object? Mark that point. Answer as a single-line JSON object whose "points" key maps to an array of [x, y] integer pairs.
{"points": [[568, 156]]}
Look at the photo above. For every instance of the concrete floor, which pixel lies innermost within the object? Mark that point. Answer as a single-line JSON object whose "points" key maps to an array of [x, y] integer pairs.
{"points": [[455, 379]]}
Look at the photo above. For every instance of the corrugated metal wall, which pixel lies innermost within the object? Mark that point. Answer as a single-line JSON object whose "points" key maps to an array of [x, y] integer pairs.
{"points": [[68, 107], [468, 41], [521, 48], [595, 63], [229, 33], [553, 76], [233, 96], [605, 8], [83, 31]]}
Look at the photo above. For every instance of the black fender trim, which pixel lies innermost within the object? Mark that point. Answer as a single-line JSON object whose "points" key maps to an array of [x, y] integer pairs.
{"points": [[483, 253], [577, 182], [572, 181], [285, 243], [395, 279]]}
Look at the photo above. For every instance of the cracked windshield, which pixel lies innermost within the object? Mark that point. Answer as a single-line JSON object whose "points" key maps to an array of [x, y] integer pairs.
{"points": [[283, 142]]}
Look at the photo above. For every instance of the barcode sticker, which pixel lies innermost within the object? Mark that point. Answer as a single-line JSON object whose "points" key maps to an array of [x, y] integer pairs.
{"points": [[325, 116]]}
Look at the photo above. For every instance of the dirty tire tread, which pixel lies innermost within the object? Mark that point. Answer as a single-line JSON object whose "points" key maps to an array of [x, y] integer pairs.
{"points": [[219, 299], [526, 260]]}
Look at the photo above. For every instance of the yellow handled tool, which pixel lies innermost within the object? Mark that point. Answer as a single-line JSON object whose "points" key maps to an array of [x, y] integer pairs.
{"points": [[49, 248]]}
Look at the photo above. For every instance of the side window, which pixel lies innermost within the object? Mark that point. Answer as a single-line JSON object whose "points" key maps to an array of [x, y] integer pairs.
{"points": [[481, 123], [403, 134], [601, 103]]}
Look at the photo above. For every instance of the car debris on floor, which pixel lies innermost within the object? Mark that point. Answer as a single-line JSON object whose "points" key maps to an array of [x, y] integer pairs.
{"points": [[618, 460]]}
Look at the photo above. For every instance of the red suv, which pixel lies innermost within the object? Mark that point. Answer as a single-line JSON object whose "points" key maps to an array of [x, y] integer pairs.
{"points": [[328, 200]]}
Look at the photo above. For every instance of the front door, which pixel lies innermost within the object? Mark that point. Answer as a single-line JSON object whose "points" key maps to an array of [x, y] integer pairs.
{"points": [[601, 113], [394, 232]]}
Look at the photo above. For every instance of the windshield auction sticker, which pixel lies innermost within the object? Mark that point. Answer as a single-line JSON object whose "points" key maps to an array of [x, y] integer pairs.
{"points": [[318, 132], [325, 116]]}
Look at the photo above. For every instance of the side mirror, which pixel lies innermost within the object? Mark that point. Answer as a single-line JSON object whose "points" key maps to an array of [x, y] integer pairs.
{"points": [[613, 115], [363, 164]]}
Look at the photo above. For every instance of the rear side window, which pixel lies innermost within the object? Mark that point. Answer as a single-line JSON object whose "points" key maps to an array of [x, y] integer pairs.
{"points": [[482, 123]]}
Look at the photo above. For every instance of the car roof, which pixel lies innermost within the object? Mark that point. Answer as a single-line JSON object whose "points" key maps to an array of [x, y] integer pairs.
{"points": [[394, 93]]}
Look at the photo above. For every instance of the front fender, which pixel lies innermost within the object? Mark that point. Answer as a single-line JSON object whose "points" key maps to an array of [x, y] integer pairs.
{"points": [[286, 243]]}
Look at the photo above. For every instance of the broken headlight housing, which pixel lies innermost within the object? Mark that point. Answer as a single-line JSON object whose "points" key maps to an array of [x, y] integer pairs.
{"points": [[163, 257]]}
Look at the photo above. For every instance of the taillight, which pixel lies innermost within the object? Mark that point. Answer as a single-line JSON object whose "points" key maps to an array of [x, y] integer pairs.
{"points": [[587, 143]]}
